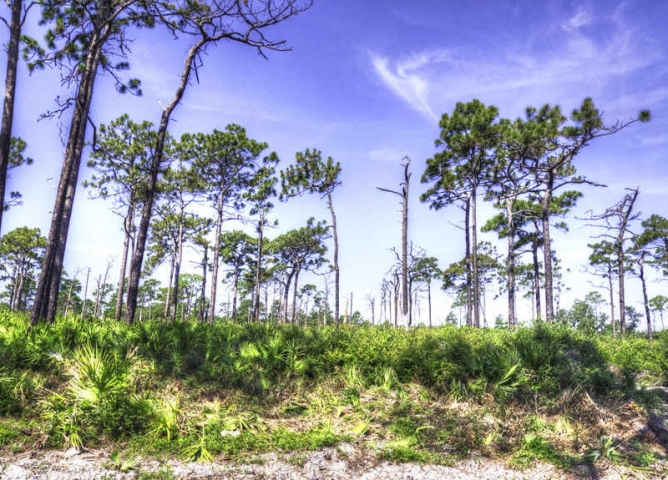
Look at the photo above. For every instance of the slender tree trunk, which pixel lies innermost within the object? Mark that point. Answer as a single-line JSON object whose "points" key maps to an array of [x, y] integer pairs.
{"points": [[258, 267], [467, 258], [235, 292], [429, 301], [177, 268], [203, 306], [536, 276], [10, 95], [612, 301], [69, 299], [335, 235], [547, 250], [127, 225], [17, 284], [641, 266], [294, 296], [22, 292], [85, 297], [286, 291], [98, 297], [396, 304], [156, 162], [410, 306], [512, 321], [474, 257], [216, 258], [404, 251], [168, 297], [622, 297]]}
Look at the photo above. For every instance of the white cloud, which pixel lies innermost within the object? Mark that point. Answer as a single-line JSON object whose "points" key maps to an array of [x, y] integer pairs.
{"points": [[580, 19], [405, 81], [564, 70]]}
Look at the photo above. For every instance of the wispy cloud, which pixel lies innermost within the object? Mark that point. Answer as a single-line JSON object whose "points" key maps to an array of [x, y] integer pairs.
{"points": [[580, 19], [571, 63], [407, 79]]}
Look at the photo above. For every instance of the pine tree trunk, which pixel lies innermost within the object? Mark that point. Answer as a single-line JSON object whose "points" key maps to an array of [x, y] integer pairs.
{"points": [[467, 258], [10, 95], [258, 268], [177, 268], [216, 257], [641, 265], [20, 293], [168, 297], [512, 321], [294, 297], [335, 234], [474, 258], [156, 163], [547, 251], [286, 291], [203, 306], [612, 301], [429, 301], [536, 275], [235, 293], [83, 304], [15, 290], [46, 296], [127, 225]]}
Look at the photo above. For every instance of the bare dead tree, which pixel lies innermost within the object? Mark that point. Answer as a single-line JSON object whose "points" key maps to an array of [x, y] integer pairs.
{"points": [[403, 193], [615, 220]]}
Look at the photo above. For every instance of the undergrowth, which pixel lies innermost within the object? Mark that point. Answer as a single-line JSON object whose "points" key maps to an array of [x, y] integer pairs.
{"points": [[198, 391]]}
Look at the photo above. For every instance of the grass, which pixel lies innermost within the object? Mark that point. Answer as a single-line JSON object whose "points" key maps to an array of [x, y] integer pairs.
{"points": [[200, 392]]}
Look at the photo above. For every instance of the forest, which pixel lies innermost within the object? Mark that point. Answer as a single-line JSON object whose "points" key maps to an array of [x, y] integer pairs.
{"points": [[212, 336]]}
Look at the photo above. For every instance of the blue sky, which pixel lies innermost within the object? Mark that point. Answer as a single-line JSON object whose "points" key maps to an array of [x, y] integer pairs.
{"points": [[366, 83]]}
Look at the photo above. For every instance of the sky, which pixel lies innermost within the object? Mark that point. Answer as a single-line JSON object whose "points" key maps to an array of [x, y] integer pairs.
{"points": [[366, 83]]}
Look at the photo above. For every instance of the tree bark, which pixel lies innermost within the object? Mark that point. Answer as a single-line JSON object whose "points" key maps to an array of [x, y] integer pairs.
{"points": [[127, 225], [10, 95], [512, 321], [46, 296], [429, 301], [168, 297], [258, 267], [641, 265], [286, 296], [474, 258], [216, 258], [467, 260], [203, 306], [612, 301], [294, 297], [547, 250], [235, 292], [177, 268], [335, 235]]}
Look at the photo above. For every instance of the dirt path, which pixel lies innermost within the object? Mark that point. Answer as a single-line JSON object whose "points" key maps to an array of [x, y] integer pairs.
{"points": [[342, 463]]}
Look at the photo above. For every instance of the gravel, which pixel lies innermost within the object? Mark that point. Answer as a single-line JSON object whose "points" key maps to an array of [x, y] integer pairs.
{"points": [[345, 462]]}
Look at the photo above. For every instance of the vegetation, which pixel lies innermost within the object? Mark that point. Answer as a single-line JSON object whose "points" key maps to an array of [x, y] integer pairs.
{"points": [[189, 374], [199, 391]]}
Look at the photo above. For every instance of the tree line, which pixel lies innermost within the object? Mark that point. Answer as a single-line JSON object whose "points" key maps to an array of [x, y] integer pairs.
{"points": [[526, 167]]}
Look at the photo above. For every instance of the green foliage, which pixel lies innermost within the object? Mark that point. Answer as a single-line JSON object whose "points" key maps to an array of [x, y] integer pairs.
{"points": [[533, 448], [201, 390]]}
